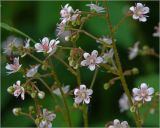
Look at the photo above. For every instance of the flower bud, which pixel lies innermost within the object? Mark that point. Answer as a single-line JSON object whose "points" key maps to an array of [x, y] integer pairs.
{"points": [[31, 109], [106, 86], [133, 109], [10, 90], [41, 94], [33, 94], [139, 105], [67, 38], [135, 71], [16, 111]]}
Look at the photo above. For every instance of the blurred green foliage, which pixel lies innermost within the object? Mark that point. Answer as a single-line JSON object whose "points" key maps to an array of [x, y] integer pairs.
{"points": [[39, 19]]}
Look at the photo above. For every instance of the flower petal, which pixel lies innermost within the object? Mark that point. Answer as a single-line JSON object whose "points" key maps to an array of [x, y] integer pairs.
{"points": [[99, 60], [135, 91], [87, 100], [76, 91], [135, 16], [78, 100], [137, 98], [18, 83], [145, 10], [89, 91], [143, 86], [150, 91], [82, 87], [84, 63], [148, 98], [94, 53], [132, 8], [92, 67], [139, 5], [45, 40], [86, 55], [143, 19]]}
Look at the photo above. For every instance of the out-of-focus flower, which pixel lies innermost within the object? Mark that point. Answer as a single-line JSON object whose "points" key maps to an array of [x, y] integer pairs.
{"points": [[65, 90], [18, 90], [66, 13], [10, 44], [105, 39], [32, 71], [96, 8], [82, 94], [123, 103], [61, 30], [91, 60], [47, 46], [139, 12], [144, 93], [157, 29], [13, 67], [108, 56], [46, 119], [133, 52], [118, 124], [26, 46]]}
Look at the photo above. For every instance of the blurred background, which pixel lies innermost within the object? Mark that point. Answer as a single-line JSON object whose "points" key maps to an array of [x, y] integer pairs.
{"points": [[39, 19]]}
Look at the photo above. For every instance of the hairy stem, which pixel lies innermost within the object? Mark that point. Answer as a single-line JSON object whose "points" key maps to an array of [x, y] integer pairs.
{"points": [[117, 59]]}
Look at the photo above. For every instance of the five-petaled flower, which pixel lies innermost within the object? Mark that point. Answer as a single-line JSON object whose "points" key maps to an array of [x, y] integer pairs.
{"points": [[118, 124], [18, 90], [139, 12], [133, 52], [13, 67], [144, 93], [82, 94], [47, 46], [91, 60], [46, 119], [96, 8], [32, 71]]}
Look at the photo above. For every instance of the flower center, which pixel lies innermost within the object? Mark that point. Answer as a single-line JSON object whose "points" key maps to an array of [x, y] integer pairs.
{"points": [[91, 60]]}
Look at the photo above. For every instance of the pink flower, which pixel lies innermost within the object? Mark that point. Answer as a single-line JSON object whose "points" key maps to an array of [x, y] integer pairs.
{"points": [[13, 67], [82, 94], [18, 90], [118, 124], [32, 71], [91, 60], [139, 12], [47, 46], [143, 94]]}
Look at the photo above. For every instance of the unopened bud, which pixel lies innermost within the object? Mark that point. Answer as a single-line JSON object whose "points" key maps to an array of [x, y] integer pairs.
{"points": [[10, 89], [135, 71], [31, 109], [16, 111], [67, 38], [33, 94], [106, 86], [139, 105], [41, 94]]}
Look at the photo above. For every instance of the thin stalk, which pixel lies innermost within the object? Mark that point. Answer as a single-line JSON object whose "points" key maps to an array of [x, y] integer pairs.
{"points": [[28, 115], [78, 77], [94, 78], [12, 29], [122, 78], [85, 115], [63, 97], [34, 57]]}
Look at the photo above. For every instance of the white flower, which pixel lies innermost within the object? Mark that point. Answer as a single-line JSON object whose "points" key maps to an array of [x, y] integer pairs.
{"points": [[118, 124], [108, 56], [123, 103], [32, 71], [47, 46], [10, 43], [13, 67], [66, 13], [26, 46], [65, 90], [107, 40], [61, 30], [157, 33], [139, 12], [91, 60], [82, 95], [133, 52], [41, 94], [47, 118], [94, 7], [143, 94], [18, 90]]}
